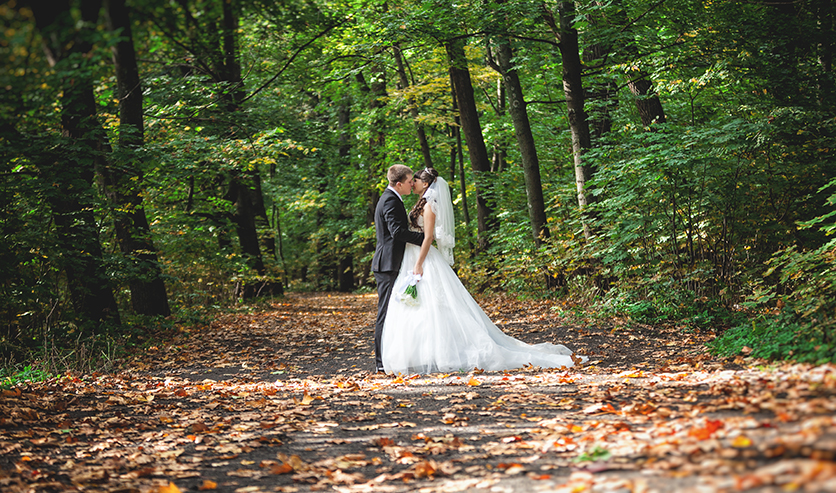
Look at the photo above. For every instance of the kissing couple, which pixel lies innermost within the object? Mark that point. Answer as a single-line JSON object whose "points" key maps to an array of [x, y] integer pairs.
{"points": [[430, 323]]}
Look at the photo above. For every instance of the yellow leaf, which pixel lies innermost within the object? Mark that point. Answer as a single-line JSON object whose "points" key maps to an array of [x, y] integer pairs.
{"points": [[741, 441]]}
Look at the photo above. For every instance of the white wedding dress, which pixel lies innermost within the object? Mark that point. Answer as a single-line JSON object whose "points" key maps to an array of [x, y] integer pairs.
{"points": [[443, 329]]}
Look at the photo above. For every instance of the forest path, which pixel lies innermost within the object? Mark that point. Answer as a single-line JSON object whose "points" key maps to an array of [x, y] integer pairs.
{"points": [[281, 399]]}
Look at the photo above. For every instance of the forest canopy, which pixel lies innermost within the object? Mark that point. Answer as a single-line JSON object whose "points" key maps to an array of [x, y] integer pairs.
{"points": [[668, 161]]}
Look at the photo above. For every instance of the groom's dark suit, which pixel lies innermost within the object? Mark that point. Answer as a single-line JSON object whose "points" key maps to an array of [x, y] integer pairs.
{"points": [[392, 228]]}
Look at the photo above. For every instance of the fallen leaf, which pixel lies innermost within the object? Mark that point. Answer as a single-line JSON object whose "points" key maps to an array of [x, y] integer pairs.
{"points": [[207, 485], [170, 488], [741, 441]]}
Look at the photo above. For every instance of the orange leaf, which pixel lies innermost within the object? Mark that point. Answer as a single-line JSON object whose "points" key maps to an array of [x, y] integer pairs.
{"points": [[473, 382], [285, 468], [383, 442], [171, 488], [705, 432], [208, 485], [424, 469]]}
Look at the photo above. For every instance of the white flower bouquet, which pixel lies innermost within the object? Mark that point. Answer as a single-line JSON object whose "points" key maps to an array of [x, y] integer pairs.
{"points": [[406, 290]]}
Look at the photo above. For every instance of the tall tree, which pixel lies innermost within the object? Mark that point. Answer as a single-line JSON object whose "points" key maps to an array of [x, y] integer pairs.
{"points": [[479, 162], [525, 139], [567, 37], [122, 181], [68, 45], [375, 92], [208, 33]]}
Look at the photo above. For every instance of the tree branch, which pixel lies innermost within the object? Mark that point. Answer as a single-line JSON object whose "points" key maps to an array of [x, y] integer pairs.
{"points": [[292, 57]]}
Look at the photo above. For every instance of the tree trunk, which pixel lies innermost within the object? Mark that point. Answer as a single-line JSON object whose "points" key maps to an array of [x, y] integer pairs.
{"points": [[647, 101], [827, 33], [231, 66], [603, 94], [345, 267], [260, 217], [499, 154], [245, 187], [573, 90], [241, 195], [827, 26], [376, 92], [479, 163], [413, 109], [121, 183], [458, 154], [525, 139], [72, 172]]}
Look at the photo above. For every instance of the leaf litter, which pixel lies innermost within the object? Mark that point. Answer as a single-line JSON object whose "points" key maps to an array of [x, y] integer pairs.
{"points": [[282, 399]]}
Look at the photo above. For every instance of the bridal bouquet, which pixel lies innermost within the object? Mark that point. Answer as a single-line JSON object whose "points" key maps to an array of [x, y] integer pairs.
{"points": [[407, 289]]}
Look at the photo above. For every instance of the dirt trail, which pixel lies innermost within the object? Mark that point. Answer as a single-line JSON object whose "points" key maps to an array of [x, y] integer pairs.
{"points": [[282, 400]]}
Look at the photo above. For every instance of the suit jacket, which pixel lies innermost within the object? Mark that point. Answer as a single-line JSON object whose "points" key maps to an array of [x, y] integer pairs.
{"points": [[391, 226]]}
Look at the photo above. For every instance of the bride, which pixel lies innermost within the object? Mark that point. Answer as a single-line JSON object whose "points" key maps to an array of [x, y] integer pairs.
{"points": [[442, 328]]}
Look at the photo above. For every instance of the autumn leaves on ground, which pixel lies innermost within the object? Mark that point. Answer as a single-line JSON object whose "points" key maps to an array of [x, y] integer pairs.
{"points": [[283, 400]]}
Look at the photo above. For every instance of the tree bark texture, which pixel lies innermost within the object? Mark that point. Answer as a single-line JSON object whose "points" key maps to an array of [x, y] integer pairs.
{"points": [[462, 85], [525, 140]]}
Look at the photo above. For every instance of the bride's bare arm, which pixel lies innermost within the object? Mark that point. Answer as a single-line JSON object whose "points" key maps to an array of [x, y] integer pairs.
{"points": [[429, 228]]}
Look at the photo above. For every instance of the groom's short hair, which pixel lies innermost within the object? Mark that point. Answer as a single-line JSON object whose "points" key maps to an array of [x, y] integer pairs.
{"points": [[397, 173]]}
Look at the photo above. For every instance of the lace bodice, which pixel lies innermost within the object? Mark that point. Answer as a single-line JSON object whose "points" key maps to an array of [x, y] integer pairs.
{"points": [[420, 228]]}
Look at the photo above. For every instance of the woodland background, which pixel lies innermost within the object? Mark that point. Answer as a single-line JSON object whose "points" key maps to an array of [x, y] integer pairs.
{"points": [[666, 161]]}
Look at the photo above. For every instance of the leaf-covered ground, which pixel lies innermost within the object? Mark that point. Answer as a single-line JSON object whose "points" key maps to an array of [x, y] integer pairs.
{"points": [[283, 400]]}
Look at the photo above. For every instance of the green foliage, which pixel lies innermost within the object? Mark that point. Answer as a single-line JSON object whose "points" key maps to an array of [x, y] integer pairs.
{"points": [[778, 337], [805, 301], [712, 216], [12, 377], [597, 453]]}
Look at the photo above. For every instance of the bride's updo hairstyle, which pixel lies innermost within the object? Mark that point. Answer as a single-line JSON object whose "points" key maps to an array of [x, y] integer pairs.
{"points": [[428, 176]]}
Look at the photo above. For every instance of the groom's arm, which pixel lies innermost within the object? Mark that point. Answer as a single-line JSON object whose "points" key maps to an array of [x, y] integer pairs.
{"points": [[412, 237]]}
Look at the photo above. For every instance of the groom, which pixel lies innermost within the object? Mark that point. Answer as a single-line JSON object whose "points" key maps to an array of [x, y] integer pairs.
{"points": [[392, 228]]}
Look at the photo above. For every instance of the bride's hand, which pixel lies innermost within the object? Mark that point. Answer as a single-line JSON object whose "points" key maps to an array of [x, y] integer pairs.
{"points": [[418, 270]]}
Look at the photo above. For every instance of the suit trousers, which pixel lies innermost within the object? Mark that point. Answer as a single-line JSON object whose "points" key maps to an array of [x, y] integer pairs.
{"points": [[385, 282]]}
